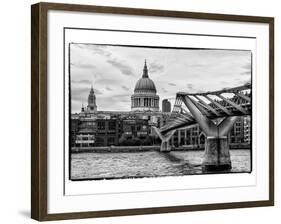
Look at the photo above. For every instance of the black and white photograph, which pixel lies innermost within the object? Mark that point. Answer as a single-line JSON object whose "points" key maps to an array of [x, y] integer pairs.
{"points": [[139, 111]]}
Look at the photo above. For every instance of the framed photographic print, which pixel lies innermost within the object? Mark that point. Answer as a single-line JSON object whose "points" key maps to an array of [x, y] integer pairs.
{"points": [[139, 111]]}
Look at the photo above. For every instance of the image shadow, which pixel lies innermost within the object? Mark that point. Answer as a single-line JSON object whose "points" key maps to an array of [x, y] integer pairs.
{"points": [[24, 213], [171, 157]]}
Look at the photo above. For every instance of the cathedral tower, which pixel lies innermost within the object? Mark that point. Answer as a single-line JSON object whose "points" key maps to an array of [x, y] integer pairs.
{"points": [[92, 107]]}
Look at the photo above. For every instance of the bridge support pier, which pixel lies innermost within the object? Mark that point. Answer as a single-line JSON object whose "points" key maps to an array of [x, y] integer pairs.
{"points": [[165, 146], [217, 156], [165, 138]]}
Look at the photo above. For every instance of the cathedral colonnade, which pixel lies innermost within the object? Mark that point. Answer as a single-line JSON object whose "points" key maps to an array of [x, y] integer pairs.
{"points": [[145, 101]]}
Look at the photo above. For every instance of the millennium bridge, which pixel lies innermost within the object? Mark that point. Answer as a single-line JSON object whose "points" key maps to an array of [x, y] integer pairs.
{"points": [[216, 113]]}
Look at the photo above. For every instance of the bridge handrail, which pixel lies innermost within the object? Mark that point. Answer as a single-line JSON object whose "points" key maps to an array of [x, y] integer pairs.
{"points": [[223, 107]]}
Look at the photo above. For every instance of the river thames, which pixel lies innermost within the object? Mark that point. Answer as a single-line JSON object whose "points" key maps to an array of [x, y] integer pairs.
{"points": [[148, 164]]}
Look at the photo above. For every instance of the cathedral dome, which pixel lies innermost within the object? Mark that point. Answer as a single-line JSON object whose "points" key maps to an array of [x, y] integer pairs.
{"points": [[145, 85], [145, 97]]}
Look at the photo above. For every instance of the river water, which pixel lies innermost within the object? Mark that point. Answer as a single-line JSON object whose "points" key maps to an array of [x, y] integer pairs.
{"points": [[147, 164]]}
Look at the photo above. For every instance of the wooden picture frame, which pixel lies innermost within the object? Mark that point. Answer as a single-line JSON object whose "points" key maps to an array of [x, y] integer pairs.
{"points": [[39, 110]]}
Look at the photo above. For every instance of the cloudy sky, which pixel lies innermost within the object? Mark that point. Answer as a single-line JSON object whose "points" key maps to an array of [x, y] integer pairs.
{"points": [[114, 70]]}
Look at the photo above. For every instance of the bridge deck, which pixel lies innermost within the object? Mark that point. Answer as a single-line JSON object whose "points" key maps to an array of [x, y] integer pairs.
{"points": [[223, 103]]}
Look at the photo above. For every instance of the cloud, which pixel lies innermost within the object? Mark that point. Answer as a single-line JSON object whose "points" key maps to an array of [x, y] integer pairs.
{"points": [[108, 88], [164, 90], [172, 84], [155, 67], [224, 82], [98, 92], [106, 81], [100, 49], [82, 65], [200, 91], [190, 86], [110, 103], [243, 82], [247, 66], [95, 49], [197, 65], [245, 73], [124, 100], [113, 100], [124, 68], [246, 69], [83, 81], [104, 51], [125, 88], [79, 94], [194, 88], [121, 95]]}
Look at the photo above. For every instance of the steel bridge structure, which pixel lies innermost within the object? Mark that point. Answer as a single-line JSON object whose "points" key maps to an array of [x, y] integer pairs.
{"points": [[215, 112]]}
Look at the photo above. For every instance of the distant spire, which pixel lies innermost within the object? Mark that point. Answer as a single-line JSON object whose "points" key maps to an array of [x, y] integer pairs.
{"points": [[145, 70], [82, 108], [92, 89]]}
